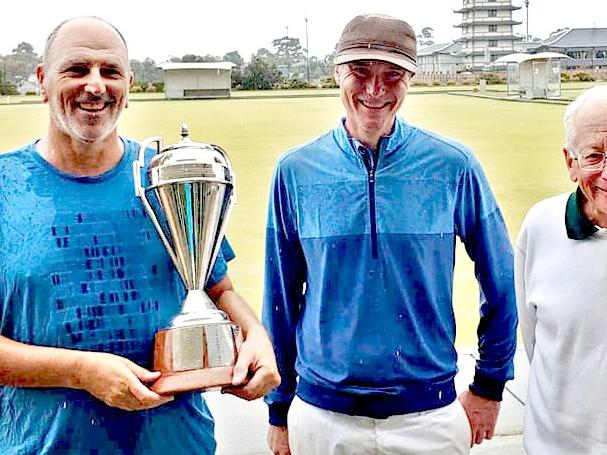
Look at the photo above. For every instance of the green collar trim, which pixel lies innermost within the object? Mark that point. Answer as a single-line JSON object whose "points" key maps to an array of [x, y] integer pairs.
{"points": [[578, 225]]}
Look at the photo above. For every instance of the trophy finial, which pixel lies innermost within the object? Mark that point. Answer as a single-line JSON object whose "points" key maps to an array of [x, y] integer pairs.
{"points": [[185, 132]]}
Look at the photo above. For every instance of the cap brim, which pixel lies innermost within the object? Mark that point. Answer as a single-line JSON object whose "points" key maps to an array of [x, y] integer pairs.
{"points": [[403, 62]]}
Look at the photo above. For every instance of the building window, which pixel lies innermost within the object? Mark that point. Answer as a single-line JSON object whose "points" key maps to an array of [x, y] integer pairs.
{"points": [[492, 13], [578, 55], [493, 28], [492, 43]]}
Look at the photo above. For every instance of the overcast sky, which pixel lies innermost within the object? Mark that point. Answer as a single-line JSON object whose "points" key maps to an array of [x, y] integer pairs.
{"points": [[177, 27]]}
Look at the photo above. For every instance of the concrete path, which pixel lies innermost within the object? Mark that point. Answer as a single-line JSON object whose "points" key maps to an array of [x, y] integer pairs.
{"points": [[241, 426]]}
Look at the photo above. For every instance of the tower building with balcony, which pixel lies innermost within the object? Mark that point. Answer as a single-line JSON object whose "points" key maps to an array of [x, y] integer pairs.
{"points": [[487, 32]]}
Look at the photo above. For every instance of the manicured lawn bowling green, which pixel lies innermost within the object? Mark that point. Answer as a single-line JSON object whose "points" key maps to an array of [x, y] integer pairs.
{"points": [[519, 145]]}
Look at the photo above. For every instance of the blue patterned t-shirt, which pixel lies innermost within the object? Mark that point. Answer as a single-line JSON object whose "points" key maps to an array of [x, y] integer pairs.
{"points": [[81, 267]]}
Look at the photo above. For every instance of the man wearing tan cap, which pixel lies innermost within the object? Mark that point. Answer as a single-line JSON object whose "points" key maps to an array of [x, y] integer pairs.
{"points": [[359, 273]]}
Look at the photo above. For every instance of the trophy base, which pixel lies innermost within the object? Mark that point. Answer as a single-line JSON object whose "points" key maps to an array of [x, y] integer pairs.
{"points": [[195, 357], [186, 381]]}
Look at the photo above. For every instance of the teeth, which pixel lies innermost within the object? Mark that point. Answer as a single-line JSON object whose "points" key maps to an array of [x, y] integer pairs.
{"points": [[92, 107], [372, 106]]}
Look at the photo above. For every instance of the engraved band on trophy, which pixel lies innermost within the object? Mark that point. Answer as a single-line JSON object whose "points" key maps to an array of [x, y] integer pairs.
{"points": [[188, 195]]}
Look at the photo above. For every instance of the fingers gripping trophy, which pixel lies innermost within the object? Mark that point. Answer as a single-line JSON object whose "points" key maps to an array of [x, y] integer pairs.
{"points": [[188, 195]]}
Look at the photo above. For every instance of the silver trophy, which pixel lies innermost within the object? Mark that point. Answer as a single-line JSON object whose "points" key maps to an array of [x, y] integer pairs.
{"points": [[188, 195]]}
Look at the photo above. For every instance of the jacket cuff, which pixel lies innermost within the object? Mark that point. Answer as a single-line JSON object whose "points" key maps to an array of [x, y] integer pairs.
{"points": [[278, 414], [486, 387]]}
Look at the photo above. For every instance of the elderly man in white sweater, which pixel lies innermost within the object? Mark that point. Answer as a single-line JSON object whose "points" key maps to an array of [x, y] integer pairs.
{"points": [[561, 280]]}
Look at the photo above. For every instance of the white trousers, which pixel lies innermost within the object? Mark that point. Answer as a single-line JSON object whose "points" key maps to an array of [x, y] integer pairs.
{"points": [[316, 431]]}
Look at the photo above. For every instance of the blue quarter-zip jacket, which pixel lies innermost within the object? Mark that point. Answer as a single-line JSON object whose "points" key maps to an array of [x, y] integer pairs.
{"points": [[360, 251]]}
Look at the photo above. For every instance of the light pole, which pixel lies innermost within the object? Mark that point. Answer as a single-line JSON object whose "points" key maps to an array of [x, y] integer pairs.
{"points": [[307, 53], [527, 21]]}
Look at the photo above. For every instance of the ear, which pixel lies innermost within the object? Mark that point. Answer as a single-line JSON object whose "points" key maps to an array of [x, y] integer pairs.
{"points": [[40, 76], [569, 162], [131, 79], [336, 76]]}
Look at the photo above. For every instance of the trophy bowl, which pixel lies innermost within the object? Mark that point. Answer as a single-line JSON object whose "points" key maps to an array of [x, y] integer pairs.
{"points": [[187, 190]]}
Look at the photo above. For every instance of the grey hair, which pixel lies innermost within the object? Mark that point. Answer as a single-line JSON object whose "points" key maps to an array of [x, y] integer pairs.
{"points": [[53, 35], [598, 92]]}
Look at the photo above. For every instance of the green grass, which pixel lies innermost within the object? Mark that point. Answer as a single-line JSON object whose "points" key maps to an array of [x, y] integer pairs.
{"points": [[519, 145]]}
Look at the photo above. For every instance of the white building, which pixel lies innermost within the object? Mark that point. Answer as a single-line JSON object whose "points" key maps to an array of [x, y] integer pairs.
{"points": [[29, 86], [197, 80], [439, 59], [587, 47], [486, 32], [534, 75]]}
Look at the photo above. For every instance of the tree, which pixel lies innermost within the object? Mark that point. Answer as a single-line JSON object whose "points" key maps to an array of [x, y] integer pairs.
{"points": [[146, 71], [257, 75], [21, 64], [151, 71], [210, 58], [288, 53], [137, 69], [24, 48], [6, 87], [193, 58], [265, 55], [234, 57]]}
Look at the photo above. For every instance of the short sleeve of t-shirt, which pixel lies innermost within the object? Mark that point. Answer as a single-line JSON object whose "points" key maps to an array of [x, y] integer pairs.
{"points": [[220, 268]]}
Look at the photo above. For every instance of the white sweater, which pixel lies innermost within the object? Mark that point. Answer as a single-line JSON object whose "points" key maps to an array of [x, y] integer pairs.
{"points": [[561, 289]]}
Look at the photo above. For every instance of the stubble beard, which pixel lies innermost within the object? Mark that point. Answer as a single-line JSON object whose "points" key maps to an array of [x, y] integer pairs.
{"points": [[75, 130]]}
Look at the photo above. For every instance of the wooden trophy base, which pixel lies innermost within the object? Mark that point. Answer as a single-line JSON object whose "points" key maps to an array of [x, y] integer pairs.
{"points": [[186, 381], [194, 357]]}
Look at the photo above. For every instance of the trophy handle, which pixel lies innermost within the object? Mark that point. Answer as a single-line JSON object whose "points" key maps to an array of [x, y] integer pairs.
{"points": [[230, 205], [138, 165]]}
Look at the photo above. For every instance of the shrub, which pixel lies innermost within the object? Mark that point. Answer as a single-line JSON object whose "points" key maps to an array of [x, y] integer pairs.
{"points": [[583, 76], [565, 77], [294, 84], [329, 82], [493, 78]]}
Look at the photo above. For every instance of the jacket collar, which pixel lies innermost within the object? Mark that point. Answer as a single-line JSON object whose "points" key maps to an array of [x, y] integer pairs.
{"points": [[577, 224], [387, 145]]}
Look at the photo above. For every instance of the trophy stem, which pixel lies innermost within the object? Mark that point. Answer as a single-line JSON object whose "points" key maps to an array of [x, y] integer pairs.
{"points": [[197, 301]]}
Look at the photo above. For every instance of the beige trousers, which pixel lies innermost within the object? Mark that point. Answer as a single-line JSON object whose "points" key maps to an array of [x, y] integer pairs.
{"points": [[315, 431]]}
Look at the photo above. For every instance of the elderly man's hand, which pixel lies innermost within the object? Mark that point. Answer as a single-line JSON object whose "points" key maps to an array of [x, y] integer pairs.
{"points": [[482, 414], [255, 372], [278, 440], [117, 381]]}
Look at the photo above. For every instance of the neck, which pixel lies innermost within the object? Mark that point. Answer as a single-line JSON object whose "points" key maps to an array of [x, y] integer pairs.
{"points": [[595, 216], [80, 158], [369, 137]]}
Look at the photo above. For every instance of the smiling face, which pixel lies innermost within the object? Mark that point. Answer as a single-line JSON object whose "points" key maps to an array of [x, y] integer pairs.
{"points": [[372, 91], [590, 126], [85, 80]]}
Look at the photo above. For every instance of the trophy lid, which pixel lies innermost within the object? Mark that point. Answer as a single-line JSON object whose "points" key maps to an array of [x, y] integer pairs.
{"points": [[189, 161]]}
